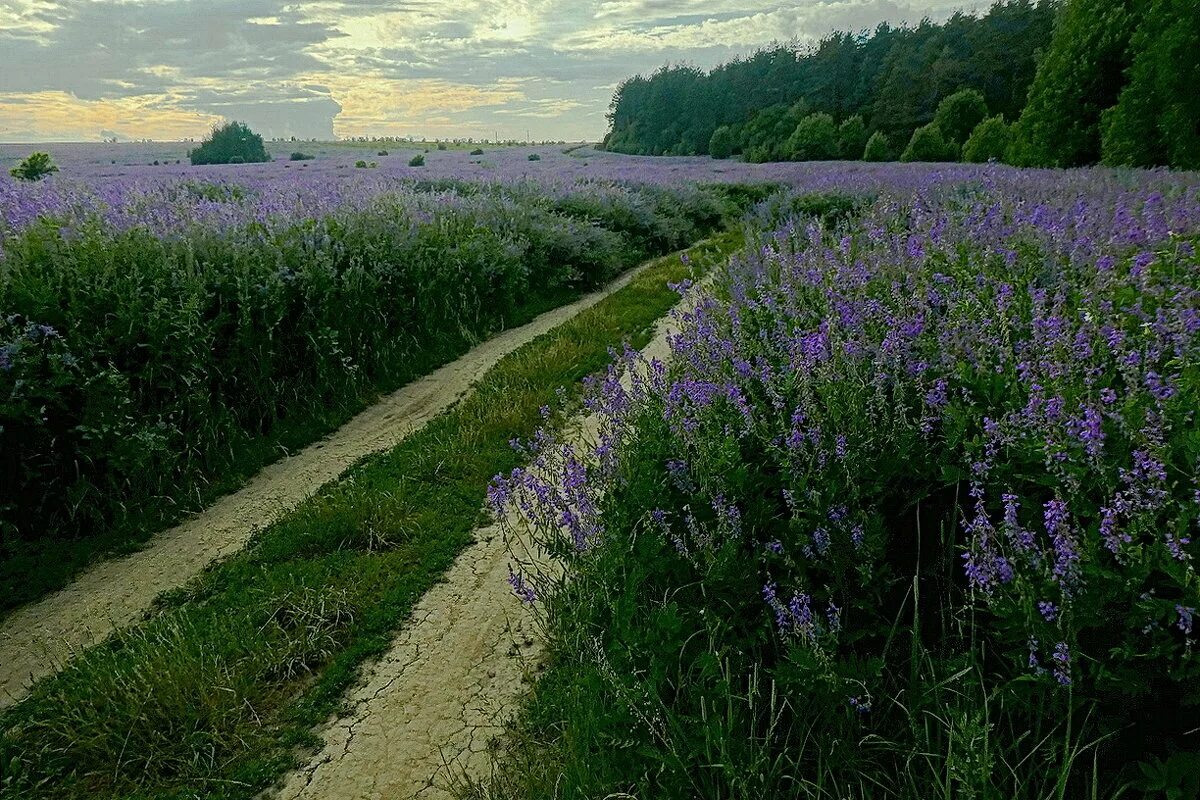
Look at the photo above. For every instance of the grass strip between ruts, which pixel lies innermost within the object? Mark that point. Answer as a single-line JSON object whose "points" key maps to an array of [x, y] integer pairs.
{"points": [[211, 696]]}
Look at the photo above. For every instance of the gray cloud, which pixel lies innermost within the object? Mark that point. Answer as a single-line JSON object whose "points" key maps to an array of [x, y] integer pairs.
{"points": [[290, 69]]}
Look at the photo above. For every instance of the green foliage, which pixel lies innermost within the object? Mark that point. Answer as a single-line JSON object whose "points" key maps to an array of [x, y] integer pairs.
{"points": [[441, 146], [231, 143], [764, 137], [534, 157], [1080, 76], [382, 153], [877, 148], [893, 78], [360, 164], [182, 361], [722, 142], [928, 144], [958, 114], [989, 141], [417, 161], [478, 151], [34, 167], [1155, 119], [814, 139], [1177, 778], [300, 156], [229, 676], [852, 138]]}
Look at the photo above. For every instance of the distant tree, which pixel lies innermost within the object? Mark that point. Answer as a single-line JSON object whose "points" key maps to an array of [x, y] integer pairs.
{"points": [[877, 148], [231, 143], [988, 141], [299, 156], [1156, 120], [894, 78], [1081, 75], [722, 142], [928, 144], [814, 139], [959, 113], [35, 167], [852, 137]]}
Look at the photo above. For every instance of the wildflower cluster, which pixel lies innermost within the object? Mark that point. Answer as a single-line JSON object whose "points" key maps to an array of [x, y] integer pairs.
{"points": [[978, 398]]}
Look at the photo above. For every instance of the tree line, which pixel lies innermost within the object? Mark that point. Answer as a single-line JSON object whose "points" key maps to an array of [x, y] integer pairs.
{"points": [[1044, 83]]}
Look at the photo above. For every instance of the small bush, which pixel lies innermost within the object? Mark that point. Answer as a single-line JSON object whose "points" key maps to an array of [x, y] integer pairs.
{"points": [[878, 148], [382, 153], [814, 139], [534, 157], [958, 114], [478, 151], [298, 156], [988, 142], [35, 167], [417, 161], [441, 145], [360, 164], [231, 143], [721, 144], [928, 144]]}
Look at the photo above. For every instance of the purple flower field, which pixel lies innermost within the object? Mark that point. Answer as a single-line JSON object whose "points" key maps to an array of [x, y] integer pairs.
{"points": [[930, 472], [169, 198]]}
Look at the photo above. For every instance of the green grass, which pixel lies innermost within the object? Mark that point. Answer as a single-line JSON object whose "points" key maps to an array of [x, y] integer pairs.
{"points": [[211, 696], [30, 570]]}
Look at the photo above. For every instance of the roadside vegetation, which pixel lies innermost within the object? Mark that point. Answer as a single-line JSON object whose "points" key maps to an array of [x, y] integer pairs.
{"points": [[143, 373], [911, 513], [211, 696]]}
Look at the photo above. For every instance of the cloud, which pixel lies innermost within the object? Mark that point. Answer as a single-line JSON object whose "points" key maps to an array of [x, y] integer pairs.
{"points": [[169, 68]]}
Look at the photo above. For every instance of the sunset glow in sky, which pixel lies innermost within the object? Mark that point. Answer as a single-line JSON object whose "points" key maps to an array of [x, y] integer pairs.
{"points": [[83, 70]]}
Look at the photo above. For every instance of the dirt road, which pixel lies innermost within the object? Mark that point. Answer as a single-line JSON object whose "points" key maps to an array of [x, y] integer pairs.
{"points": [[38, 639]]}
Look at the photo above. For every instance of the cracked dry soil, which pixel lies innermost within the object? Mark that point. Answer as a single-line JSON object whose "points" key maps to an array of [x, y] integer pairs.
{"points": [[421, 718], [37, 640]]}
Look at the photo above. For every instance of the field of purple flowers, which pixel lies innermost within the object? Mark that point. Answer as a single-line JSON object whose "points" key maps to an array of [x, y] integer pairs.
{"points": [[912, 512]]}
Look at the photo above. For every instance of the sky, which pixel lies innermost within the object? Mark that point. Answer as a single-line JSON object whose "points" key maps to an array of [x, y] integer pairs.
{"points": [[85, 70]]}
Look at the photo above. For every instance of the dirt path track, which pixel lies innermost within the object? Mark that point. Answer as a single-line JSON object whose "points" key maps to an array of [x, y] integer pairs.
{"points": [[38, 639], [421, 717]]}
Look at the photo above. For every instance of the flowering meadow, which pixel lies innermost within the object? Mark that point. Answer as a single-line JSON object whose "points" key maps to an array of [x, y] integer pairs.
{"points": [[911, 512], [162, 337]]}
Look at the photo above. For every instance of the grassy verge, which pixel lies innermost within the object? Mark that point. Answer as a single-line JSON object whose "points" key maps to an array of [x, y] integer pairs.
{"points": [[29, 570], [211, 696]]}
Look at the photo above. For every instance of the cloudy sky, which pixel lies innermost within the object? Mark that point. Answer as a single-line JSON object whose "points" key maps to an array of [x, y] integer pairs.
{"points": [[83, 70]]}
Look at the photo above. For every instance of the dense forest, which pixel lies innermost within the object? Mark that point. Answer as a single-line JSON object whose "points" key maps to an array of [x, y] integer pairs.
{"points": [[1034, 83]]}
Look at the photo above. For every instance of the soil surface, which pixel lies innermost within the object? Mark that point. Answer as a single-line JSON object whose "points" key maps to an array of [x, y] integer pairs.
{"points": [[420, 720], [38, 639]]}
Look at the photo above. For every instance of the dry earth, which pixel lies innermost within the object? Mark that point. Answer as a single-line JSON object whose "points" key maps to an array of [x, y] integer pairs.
{"points": [[421, 717], [38, 639]]}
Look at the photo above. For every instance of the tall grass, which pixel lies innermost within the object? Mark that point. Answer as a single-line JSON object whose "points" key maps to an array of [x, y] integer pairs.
{"points": [[210, 697], [142, 374]]}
